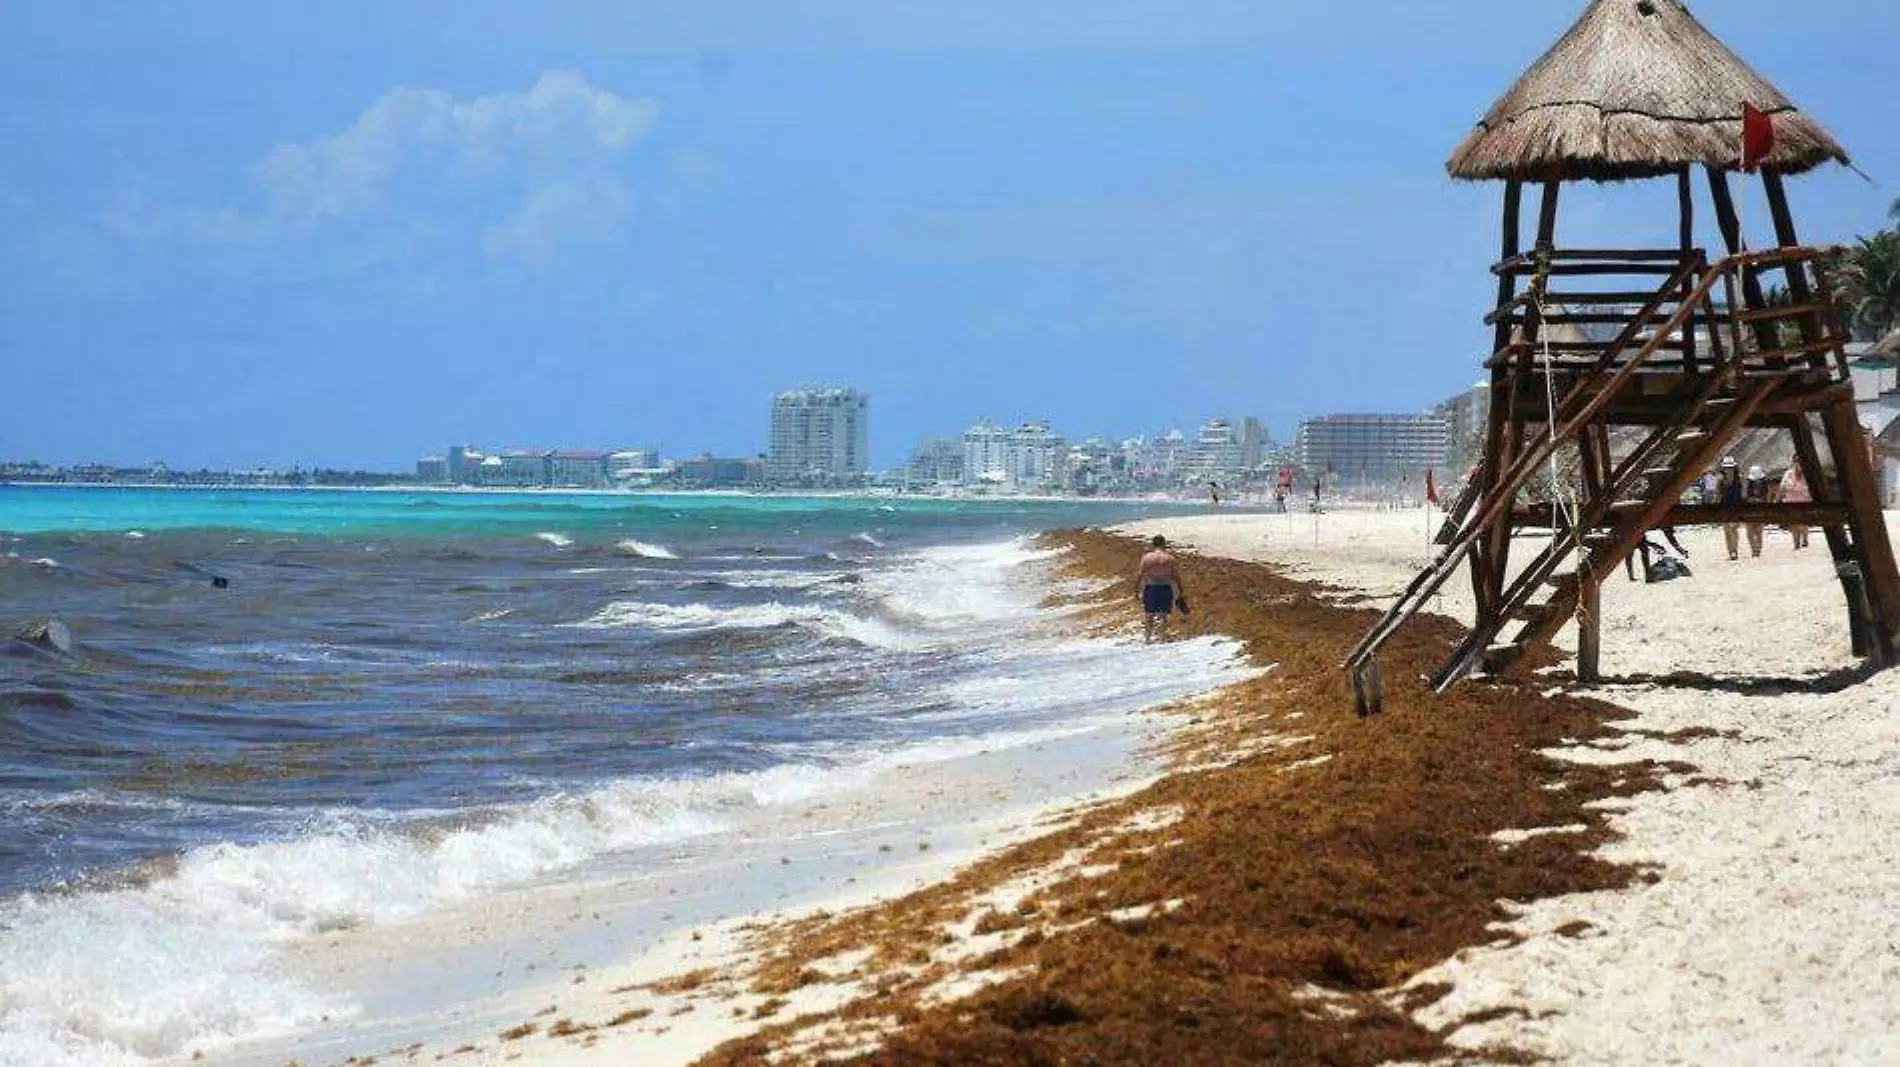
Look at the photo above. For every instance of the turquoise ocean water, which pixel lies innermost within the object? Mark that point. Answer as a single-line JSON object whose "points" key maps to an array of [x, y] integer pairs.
{"points": [[291, 711]]}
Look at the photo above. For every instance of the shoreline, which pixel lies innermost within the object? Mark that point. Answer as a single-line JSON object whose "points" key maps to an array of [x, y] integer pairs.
{"points": [[463, 973], [594, 946], [1265, 898], [748, 494], [1500, 872]]}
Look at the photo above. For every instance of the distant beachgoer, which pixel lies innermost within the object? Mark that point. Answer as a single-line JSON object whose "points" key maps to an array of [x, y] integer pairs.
{"points": [[1794, 490], [1213, 493], [1159, 579], [1756, 490], [1711, 487], [1728, 493]]}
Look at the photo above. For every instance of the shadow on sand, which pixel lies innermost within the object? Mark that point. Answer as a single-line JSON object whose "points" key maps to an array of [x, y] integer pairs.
{"points": [[1752, 685]]}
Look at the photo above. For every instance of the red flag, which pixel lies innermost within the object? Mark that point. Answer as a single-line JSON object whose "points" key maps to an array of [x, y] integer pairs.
{"points": [[1431, 488], [1758, 137]]}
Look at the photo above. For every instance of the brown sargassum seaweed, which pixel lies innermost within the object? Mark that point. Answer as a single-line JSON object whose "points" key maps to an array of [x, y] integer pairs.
{"points": [[1299, 892]]}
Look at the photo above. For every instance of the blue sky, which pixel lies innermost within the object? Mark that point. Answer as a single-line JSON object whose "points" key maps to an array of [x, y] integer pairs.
{"points": [[350, 233]]}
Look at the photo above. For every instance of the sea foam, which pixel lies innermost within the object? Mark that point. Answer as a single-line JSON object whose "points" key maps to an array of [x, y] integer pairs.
{"points": [[644, 550], [633, 614], [186, 962], [189, 960]]}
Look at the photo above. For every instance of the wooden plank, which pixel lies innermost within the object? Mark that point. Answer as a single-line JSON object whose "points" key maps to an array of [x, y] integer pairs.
{"points": [[1685, 243], [1586, 354], [1541, 517], [1827, 492], [1630, 297], [1767, 359], [1685, 210], [1660, 337], [1663, 369], [1770, 258], [1624, 255], [1847, 441], [1809, 323], [1595, 473], [1590, 631], [1547, 216], [1661, 409], [1715, 318], [1521, 266], [1782, 311], [1566, 305], [1731, 226], [1507, 284], [1591, 318]]}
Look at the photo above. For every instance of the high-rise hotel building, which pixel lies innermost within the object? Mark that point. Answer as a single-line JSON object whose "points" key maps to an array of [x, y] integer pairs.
{"points": [[1372, 449], [819, 437]]}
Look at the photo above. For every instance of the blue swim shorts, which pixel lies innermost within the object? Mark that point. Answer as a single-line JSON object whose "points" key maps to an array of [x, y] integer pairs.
{"points": [[1157, 599]]}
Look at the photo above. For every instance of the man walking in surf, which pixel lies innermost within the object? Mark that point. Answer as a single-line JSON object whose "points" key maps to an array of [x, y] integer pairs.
{"points": [[1159, 580]]}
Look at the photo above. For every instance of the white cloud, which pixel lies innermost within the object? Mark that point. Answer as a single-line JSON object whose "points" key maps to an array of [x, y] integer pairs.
{"points": [[559, 129], [586, 209]]}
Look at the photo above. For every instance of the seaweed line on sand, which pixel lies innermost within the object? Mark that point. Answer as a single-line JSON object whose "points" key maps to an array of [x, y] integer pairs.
{"points": [[1263, 902]]}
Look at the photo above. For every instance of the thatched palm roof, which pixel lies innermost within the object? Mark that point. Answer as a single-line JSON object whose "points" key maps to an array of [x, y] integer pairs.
{"points": [[1636, 89]]}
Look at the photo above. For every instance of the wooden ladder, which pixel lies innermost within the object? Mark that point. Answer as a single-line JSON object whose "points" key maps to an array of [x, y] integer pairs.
{"points": [[1582, 404], [1609, 529]]}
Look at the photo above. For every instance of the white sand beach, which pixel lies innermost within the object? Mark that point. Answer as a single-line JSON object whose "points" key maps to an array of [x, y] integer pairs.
{"points": [[1771, 934]]}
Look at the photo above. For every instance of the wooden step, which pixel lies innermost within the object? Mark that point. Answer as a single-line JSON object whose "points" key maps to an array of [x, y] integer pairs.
{"points": [[1782, 311], [1531, 613], [1500, 657]]}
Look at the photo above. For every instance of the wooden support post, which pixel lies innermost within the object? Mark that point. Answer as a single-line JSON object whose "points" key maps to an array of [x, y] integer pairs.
{"points": [[1827, 491], [1685, 212], [1493, 468], [1496, 550], [1589, 575], [1589, 628], [1731, 226], [1847, 441], [1507, 281], [1368, 689], [1485, 582], [1797, 273], [1547, 216]]}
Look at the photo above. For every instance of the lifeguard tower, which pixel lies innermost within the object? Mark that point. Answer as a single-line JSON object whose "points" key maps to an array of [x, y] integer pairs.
{"points": [[1635, 368]]}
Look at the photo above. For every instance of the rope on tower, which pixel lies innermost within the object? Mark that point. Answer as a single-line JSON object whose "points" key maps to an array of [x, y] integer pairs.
{"points": [[1561, 499]]}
